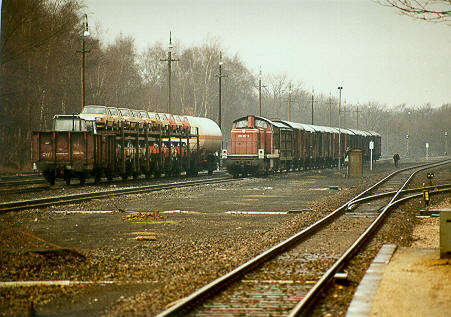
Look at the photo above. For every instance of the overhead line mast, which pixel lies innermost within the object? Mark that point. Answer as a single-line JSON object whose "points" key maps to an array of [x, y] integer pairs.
{"points": [[220, 75], [169, 60], [260, 92]]}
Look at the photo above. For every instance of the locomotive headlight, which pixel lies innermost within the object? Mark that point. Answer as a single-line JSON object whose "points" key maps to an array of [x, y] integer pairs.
{"points": [[224, 154]]}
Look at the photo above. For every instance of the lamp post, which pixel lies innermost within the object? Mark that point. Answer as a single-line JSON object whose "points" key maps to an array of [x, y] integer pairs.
{"points": [[83, 52], [339, 128]]}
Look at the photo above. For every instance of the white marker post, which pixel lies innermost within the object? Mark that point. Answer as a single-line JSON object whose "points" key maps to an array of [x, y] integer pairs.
{"points": [[427, 151], [371, 155]]}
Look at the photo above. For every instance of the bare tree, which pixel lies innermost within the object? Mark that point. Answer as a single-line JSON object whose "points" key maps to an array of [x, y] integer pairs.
{"points": [[429, 10], [37, 69]]}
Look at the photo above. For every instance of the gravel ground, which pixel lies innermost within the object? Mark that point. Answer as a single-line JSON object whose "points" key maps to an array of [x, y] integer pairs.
{"points": [[153, 259]]}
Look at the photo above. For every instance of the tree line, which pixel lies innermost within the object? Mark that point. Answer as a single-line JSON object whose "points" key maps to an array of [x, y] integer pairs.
{"points": [[40, 77]]}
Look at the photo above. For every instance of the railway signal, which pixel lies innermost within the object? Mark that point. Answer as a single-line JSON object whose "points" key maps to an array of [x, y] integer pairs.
{"points": [[430, 176], [446, 143], [426, 197], [371, 155]]}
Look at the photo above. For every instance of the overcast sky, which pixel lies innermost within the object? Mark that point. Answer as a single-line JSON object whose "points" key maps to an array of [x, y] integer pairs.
{"points": [[372, 51]]}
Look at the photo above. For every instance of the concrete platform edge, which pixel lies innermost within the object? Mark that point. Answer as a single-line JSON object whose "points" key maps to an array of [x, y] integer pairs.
{"points": [[361, 303]]}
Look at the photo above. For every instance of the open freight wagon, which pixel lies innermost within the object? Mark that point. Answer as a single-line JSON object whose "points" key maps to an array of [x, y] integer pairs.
{"points": [[76, 149]]}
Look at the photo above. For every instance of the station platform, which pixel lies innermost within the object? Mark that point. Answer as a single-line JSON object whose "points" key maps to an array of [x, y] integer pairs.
{"points": [[404, 282]]}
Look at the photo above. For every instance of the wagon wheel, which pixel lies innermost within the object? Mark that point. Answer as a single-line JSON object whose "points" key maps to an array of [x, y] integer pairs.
{"points": [[50, 176], [109, 174], [97, 177], [67, 177]]}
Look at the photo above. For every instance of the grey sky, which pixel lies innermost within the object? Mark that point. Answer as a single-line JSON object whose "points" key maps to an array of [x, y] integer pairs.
{"points": [[372, 51]]}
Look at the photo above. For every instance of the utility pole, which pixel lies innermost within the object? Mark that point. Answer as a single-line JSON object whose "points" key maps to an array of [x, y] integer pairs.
{"points": [[220, 94], [446, 143], [330, 111], [344, 114], [339, 129], [313, 101], [357, 113], [169, 60], [289, 103], [313, 94], [83, 52], [260, 93]]}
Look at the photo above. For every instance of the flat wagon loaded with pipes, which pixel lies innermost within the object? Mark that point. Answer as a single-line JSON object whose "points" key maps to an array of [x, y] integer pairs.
{"points": [[103, 144], [260, 146]]}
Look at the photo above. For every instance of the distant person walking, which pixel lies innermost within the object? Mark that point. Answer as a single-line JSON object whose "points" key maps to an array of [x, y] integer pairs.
{"points": [[396, 159]]}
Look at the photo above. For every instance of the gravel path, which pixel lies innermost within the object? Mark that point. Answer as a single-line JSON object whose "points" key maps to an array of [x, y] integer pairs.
{"points": [[154, 258]]}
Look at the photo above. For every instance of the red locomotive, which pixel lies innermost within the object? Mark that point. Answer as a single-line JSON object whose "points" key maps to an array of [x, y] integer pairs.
{"points": [[260, 145]]}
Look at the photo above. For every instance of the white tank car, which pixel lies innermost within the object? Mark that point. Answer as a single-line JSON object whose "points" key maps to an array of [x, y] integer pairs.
{"points": [[210, 136]]}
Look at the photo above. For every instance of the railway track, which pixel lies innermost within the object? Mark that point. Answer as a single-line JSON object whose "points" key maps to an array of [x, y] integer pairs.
{"points": [[74, 198], [37, 183], [287, 279], [21, 180]]}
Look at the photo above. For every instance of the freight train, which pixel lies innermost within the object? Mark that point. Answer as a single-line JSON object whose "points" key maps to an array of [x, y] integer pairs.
{"points": [[260, 146], [100, 142]]}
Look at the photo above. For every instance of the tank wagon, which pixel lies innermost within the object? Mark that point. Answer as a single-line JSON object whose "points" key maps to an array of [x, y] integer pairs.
{"points": [[77, 147], [260, 145]]}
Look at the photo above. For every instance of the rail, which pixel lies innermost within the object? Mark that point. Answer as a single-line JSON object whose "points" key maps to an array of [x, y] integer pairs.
{"points": [[42, 202], [302, 308], [186, 304]]}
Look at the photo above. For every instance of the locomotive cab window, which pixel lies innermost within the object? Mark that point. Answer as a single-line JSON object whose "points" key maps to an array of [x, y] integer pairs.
{"points": [[241, 124], [261, 124]]}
